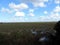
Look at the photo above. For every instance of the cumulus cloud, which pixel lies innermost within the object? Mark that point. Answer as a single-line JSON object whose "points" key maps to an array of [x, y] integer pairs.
{"points": [[41, 4], [20, 14], [37, 3], [31, 10], [57, 1], [18, 7], [6, 10], [35, 0], [45, 12], [57, 9], [53, 16], [31, 14], [55, 13], [44, 18]]}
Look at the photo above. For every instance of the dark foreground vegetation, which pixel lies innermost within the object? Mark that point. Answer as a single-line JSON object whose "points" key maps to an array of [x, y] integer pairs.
{"points": [[20, 33]]}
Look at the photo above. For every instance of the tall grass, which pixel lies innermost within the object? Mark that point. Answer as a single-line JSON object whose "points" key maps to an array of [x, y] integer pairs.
{"points": [[20, 34]]}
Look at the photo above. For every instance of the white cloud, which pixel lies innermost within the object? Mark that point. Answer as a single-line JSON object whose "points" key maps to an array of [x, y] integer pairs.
{"points": [[55, 13], [45, 18], [37, 3], [31, 14], [57, 9], [53, 16], [45, 12], [20, 14], [39, 0], [57, 1], [18, 7], [31, 10], [6, 10], [40, 4]]}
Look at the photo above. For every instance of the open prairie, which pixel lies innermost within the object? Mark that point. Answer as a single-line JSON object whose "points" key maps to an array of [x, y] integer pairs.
{"points": [[20, 33], [9, 27]]}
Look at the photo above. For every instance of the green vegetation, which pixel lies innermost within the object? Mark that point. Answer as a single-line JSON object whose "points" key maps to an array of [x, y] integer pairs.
{"points": [[9, 27], [20, 34]]}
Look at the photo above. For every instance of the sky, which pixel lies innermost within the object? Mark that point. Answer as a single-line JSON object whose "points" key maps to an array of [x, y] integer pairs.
{"points": [[29, 10]]}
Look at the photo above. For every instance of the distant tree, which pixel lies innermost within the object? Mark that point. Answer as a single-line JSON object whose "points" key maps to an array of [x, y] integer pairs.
{"points": [[57, 37], [57, 26]]}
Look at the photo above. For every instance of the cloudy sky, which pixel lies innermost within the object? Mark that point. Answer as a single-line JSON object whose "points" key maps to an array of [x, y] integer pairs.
{"points": [[29, 10]]}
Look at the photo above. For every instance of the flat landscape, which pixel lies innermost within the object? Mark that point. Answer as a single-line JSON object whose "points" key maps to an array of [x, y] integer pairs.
{"points": [[9, 27], [20, 33]]}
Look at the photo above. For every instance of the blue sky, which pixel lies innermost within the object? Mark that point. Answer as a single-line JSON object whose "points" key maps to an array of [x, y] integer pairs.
{"points": [[29, 10]]}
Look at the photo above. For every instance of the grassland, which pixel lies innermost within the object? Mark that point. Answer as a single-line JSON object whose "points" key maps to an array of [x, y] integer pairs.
{"points": [[20, 34], [8, 27]]}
